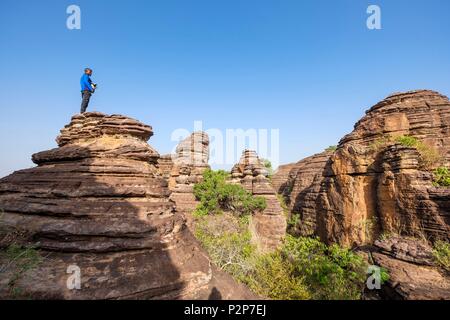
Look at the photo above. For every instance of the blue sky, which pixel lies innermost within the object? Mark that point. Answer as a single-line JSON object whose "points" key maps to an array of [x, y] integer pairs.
{"points": [[307, 68]]}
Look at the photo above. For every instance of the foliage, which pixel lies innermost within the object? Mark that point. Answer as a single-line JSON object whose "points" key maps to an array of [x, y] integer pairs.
{"points": [[228, 242], [331, 272], [442, 177], [429, 155], [407, 141], [283, 204], [275, 277], [384, 274], [20, 259], [304, 268], [292, 221], [216, 195], [268, 165], [331, 148], [441, 254]]}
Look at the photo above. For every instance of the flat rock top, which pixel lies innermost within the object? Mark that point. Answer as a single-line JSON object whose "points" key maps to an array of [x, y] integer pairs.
{"points": [[410, 97], [95, 124]]}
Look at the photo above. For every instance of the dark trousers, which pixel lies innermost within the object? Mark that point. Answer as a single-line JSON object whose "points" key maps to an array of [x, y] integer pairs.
{"points": [[85, 97]]}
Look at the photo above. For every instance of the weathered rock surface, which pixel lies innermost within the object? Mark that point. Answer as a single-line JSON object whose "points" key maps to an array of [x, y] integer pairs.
{"points": [[184, 169], [281, 176], [370, 185], [302, 190], [268, 227], [100, 203], [413, 275]]}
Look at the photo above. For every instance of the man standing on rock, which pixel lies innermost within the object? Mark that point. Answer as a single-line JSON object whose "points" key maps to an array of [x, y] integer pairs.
{"points": [[87, 89]]}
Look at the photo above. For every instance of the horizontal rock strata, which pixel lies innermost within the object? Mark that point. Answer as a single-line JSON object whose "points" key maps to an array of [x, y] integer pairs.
{"points": [[371, 184], [269, 226], [99, 203]]}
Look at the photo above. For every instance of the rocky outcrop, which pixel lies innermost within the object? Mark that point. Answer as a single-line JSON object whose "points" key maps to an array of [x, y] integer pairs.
{"points": [[281, 177], [374, 185], [301, 191], [99, 203], [186, 169], [371, 184], [268, 227], [413, 275]]}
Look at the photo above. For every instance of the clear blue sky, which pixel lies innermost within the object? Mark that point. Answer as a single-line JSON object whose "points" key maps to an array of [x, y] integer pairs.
{"points": [[308, 68]]}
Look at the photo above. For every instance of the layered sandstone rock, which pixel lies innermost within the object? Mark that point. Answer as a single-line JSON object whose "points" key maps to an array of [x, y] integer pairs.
{"points": [[281, 177], [413, 275], [186, 169], [99, 203], [301, 191], [268, 227], [372, 185]]}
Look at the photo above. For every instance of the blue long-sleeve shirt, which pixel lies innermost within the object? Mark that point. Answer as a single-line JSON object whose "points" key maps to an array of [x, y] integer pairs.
{"points": [[85, 83]]}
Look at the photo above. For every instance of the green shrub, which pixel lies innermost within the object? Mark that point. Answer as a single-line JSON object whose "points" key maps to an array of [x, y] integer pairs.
{"points": [[331, 272], [268, 165], [292, 221], [304, 268], [331, 148], [283, 204], [384, 275], [216, 195], [276, 278], [228, 242], [407, 141], [429, 155], [441, 254], [442, 177]]}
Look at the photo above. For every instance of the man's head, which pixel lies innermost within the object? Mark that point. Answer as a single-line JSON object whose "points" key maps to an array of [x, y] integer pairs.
{"points": [[88, 71]]}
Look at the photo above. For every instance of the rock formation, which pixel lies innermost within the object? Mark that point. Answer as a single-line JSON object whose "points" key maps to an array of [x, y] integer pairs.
{"points": [[371, 184], [301, 191], [374, 185], [413, 274], [185, 168], [281, 177], [268, 227], [99, 203]]}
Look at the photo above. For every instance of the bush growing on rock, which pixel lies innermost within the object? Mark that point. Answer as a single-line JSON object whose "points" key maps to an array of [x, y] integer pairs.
{"points": [[331, 148], [429, 155], [268, 165], [216, 195], [275, 277], [441, 254], [304, 268], [442, 177], [331, 272], [227, 240]]}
